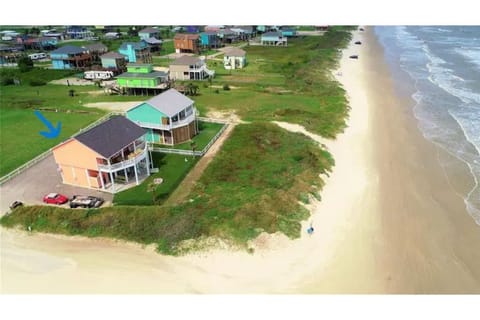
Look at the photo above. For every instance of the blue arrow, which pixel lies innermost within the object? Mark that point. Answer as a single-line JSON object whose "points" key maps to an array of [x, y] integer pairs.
{"points": [[53, 131]]}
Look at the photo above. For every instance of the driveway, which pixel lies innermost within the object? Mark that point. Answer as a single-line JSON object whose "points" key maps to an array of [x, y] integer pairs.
{"points": [[31, 185]]}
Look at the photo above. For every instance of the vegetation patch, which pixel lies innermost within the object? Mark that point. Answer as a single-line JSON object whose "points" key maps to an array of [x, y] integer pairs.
{"points": [[172, 169], [252, 185]]}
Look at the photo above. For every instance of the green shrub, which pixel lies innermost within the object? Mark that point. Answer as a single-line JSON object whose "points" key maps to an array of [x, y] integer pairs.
{"points": [[6, 81], [226, 87]]}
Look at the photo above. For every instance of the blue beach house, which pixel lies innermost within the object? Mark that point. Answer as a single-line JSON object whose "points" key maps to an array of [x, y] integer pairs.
{"points": [[169, 118], [71, 57], [149, 33], [273, 38], [209, 39], [136, 52]]}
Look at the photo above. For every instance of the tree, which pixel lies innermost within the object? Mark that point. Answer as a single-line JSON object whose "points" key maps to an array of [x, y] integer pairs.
{"points": [[35, 31], [25, 64], [152, 187]]}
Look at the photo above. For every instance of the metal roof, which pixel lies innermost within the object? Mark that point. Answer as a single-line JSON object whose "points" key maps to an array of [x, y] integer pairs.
{"points": [[149, 30], [186, 60], [68, 49], [113, 55], [235, 52], [154, 74], [96, 47], [170, 102], [111, 136]]}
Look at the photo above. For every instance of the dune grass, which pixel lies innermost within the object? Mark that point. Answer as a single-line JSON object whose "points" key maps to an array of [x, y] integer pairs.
{"points": [[254, 184]]}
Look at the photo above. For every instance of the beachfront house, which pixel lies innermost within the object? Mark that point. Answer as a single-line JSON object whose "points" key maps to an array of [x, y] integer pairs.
{"points": [[149, 32], [108, 156], [78, 32], [169, 118], [136, 52], [96, 50], [141, 78], [37, 43], [186, 42], [234, 58], [189, 68], [71, 57], [113, 61], [209, 39], [273, 38], [154, 44], [227, 36]]}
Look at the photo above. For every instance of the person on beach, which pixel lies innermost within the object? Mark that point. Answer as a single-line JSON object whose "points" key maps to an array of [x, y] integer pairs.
{"points": [[310, 230]]}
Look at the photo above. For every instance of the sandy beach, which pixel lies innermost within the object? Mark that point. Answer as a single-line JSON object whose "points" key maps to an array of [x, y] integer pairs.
{"points": [[389, 222]]}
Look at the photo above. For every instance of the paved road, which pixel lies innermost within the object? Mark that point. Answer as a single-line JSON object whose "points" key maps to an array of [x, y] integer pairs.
{"points": [[31, 185]]}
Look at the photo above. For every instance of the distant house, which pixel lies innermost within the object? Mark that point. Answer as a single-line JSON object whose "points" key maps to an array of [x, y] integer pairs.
{"points": [[189, 68], [114, 61], [209, 39], [186, 42], [213, 28], [273, 38], [10, 53], [228, 36], [288, 32], [154, 44], [105, 157], [248, 32], [136, 52], [149, 32], [142, 76], [96, 50], [71, 57], [37, 43], [169, 118], [112, 35], [78, 32], [193, 29], [234, 58]]}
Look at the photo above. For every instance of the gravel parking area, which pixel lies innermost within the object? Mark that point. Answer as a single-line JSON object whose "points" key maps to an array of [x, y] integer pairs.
{"points": [[39, 180]]}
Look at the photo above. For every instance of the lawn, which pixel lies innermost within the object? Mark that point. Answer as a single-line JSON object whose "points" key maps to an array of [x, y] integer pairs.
{"points": [[167, 48], [207, 131], [172, 169], [20, 139]]}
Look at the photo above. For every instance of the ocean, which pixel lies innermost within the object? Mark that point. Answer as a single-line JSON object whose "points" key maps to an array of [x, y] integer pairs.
{"points": [[439, 66]]}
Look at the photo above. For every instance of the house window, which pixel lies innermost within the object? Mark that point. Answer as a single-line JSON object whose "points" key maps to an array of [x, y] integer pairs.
{"points": [[175, 118], [185, 73]]}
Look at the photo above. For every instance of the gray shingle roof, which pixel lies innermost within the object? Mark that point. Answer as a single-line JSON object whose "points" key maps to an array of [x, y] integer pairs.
{"points": [[235, 52], [186, 60], [153, 40], [149, 30], [170, 102], [111, 136], [68, 49], [112, 55]]}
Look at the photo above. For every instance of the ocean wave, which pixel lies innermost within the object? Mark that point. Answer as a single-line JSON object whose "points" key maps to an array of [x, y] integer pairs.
{"points": [[471, 54]]}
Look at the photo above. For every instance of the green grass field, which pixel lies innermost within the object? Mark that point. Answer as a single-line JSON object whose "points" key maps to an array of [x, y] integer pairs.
{"points": [[207, 131], [172, 169]]}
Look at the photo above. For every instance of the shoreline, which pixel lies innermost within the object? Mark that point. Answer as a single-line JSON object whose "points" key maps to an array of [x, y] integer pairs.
{"points": [[386, 222]]}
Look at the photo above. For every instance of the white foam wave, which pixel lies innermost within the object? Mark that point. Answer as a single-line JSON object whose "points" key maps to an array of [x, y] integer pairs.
{"points": [[472, 55]]}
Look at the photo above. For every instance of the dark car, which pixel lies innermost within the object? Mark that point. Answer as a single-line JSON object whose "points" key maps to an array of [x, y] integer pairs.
{"points": [[361, 29], [55, 198], [358, 42], [354, 56], [85, 202], [16, 204]]}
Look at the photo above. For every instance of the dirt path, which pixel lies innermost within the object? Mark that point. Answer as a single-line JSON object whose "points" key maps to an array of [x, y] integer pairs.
{"points": [[186, 186]]}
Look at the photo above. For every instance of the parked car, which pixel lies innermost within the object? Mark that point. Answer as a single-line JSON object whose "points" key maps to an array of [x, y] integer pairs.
{"points": [[55, 198], [85, 202], [16, 204], [358, 42], [354, 56]]}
